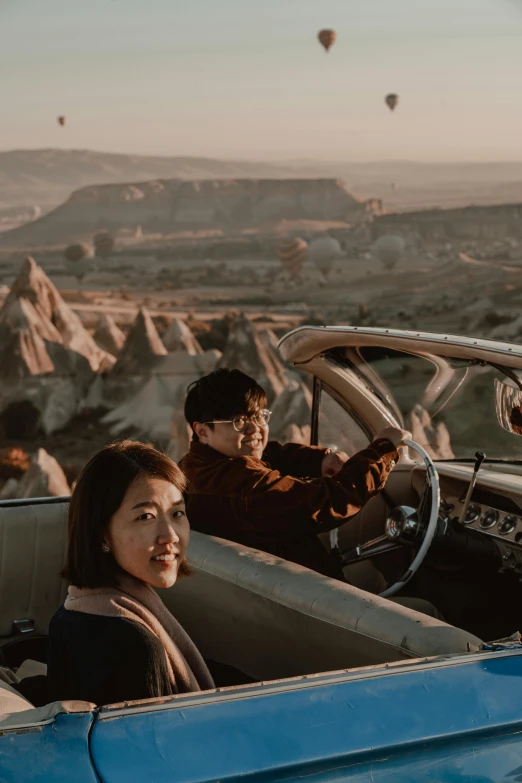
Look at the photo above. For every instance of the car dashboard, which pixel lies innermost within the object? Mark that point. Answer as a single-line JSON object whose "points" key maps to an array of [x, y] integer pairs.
{"points": [[494, 511]]}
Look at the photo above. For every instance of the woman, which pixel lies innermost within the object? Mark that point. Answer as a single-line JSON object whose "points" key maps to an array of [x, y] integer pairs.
{"points": [[113, 639]]}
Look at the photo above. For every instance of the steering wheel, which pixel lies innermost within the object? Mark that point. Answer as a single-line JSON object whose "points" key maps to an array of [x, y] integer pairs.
{"points": [[406, 526]]}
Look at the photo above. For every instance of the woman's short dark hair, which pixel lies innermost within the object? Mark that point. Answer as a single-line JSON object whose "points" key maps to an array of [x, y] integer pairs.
{"points": [[223, 394], [97, 496]]}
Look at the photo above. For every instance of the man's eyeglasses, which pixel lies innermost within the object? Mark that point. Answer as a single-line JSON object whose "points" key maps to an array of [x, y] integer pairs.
{"points": [[240, 423]]}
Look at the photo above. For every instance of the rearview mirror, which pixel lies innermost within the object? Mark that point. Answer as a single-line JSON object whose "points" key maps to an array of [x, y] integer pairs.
{"points": [[508, 400]]}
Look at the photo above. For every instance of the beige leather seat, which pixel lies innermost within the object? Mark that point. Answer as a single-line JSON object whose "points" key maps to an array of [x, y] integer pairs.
{"points": [[16, 712], [265, 616], [272, 619], [32, 553], [11, 701]]}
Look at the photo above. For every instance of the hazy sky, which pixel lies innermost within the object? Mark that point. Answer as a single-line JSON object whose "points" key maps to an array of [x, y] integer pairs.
{"points": [[247, 78]]}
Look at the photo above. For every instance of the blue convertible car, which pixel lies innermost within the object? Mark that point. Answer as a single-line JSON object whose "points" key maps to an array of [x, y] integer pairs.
{"points": [[342, 682]]}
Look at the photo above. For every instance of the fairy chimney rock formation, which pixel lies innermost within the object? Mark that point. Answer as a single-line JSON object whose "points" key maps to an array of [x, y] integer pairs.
{"points": [[109, 336], [142, 348], [293, 408], [23, 351], [33, 306], [433, 437], [245, 351], [179, 337]]}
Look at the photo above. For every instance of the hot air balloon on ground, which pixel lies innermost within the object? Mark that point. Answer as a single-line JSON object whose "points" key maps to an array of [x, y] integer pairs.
{"points": [[61, 120], [103, 245], [389, 249], [392, 101], [324, 252], [327, 38], [76, 259], [292, 254]]}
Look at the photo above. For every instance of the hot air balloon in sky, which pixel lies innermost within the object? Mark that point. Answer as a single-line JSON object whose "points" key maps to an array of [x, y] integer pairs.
{"points": [[61, 120], [292, 254], [327, 38], [392, 101]]}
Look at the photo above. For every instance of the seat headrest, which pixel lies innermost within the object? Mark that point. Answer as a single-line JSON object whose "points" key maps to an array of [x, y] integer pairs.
{"points": [[33, 540]]}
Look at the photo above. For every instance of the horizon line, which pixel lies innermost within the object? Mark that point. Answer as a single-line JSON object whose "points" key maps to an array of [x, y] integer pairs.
{"points": [[268, 161]]}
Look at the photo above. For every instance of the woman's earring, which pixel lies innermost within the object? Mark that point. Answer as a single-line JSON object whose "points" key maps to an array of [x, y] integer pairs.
{"points": [[105, 548]]}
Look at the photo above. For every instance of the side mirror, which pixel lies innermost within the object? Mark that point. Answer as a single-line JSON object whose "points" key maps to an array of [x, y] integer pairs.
{"points": [[508, 401]]}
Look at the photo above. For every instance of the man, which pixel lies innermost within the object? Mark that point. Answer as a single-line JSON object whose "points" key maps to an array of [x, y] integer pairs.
{"points": [[269, 496]]}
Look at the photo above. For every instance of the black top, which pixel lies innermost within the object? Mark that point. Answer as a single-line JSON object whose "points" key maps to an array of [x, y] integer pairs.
{"points": [[104, 660]]}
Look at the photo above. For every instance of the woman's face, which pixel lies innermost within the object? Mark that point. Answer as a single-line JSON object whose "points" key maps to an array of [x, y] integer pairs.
{"points": [[149, 533]]}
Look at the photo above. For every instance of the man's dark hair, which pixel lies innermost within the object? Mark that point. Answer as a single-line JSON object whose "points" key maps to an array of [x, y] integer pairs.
{"points": [[97, 496], [223, 394]]}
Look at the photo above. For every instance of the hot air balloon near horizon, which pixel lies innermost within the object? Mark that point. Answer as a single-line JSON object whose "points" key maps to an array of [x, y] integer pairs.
{"points": [[76, 258], [61, 120], [324, 252], [103, 245], [327, 38], [292, 254], [389, 249], [392, 101]]}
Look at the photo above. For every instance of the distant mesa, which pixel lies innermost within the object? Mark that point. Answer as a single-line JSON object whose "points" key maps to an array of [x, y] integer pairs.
{"points": [[163, 206], [495, 221]]}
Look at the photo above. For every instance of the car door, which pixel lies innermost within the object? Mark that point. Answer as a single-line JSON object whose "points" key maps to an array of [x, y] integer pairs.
{"points": [[425, 720]]}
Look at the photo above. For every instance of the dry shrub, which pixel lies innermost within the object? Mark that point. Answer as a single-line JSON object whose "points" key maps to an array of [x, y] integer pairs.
{"points": [[14, 462], [162, 323], [213, 334]]}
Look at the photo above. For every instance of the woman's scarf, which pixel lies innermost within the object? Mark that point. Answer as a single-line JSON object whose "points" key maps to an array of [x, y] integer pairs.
{"points": [[133, 600]]}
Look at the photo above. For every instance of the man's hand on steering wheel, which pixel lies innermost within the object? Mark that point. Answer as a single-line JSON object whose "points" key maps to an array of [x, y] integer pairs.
{"points": [[332, 463], [395, 435]]}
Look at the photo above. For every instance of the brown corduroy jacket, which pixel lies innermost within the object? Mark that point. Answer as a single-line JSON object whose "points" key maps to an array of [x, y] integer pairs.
{"points": [[280, 503]]}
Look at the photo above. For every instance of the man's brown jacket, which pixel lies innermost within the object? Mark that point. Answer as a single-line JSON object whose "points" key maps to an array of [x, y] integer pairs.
{"points": [[280, 503]]}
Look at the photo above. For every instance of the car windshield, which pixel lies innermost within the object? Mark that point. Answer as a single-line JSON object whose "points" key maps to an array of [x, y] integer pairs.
{"points": [[448, 404]]}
